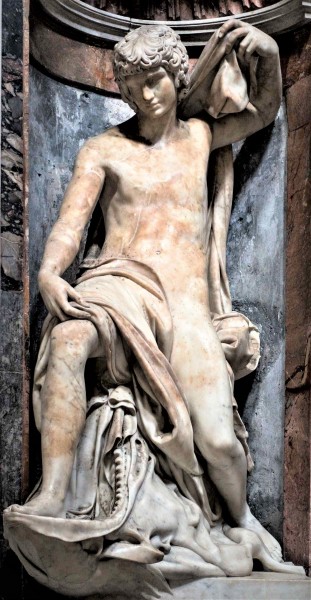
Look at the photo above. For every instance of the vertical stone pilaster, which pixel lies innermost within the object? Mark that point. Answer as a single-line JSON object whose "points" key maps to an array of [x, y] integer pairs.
{"points": [[298, 284], [11, 295], [297, 477]]}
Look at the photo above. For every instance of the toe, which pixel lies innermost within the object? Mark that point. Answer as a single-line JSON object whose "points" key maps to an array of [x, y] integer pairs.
{"points": [[16, 508]]}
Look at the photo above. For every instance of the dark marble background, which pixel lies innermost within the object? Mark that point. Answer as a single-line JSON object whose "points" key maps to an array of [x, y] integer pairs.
{"points": [[11, 298]]}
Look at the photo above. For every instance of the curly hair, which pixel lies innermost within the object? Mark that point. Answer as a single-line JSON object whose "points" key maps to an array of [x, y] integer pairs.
{"points": [[148, 47]]}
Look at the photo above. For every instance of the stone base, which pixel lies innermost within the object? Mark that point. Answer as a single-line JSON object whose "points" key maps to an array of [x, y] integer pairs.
{"points": [[69, 569], [259, 586]]}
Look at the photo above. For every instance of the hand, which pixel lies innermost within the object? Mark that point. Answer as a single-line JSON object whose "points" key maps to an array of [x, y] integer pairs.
{"points": [[249, 39], [55, 292]]}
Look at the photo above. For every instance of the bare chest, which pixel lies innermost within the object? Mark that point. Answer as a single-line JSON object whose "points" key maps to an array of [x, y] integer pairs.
{"points": [[158, 175]]}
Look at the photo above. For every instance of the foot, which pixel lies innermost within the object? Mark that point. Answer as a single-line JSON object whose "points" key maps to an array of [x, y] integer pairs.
{"points": [[259, 550], [44, 505], [236, 561], [251, 523]]}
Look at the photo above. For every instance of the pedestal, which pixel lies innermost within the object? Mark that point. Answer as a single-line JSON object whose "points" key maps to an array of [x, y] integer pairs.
{"points": [[259, 586]]}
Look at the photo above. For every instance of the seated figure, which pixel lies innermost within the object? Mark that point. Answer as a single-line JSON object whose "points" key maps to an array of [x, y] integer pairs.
{"points": [[146, 345]]}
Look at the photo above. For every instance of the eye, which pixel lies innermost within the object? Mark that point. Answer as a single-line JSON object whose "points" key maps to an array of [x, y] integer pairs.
{"points": [[154, 79], [151, 82]]}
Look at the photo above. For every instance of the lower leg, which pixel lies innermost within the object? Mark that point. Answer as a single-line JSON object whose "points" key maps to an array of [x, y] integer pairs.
{"points": [[63, 418], [229, 476], [228, 471], [205, 382], [63, 413]]}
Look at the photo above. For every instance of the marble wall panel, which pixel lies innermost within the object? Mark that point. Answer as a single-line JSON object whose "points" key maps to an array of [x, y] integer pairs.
{"points": [[255, 257]]}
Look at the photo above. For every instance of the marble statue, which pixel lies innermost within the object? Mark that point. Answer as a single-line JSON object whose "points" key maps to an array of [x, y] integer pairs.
{"points": [[144, 454]]}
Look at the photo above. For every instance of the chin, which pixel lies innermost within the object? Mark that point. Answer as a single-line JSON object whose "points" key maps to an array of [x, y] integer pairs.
{"points": [[160, 111]]}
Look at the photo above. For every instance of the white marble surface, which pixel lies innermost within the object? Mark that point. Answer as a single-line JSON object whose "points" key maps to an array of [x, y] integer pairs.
{"points": [[259, 586]]}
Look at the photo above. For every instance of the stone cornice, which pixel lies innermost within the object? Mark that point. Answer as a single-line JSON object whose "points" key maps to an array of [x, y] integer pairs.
{"points": [[77, 46], [106, 28]]}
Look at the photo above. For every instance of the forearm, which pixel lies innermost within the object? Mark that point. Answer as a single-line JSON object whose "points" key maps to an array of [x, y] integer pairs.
{"points": [[265, 91], [267, 94], [79, 201], [61, 249]]}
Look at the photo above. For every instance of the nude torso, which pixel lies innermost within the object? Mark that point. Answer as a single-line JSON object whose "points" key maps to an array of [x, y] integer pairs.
{"points": [[155, 208]]}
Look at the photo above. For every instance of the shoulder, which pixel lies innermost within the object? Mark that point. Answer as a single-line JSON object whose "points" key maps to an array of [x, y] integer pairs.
{"points": [[200, 123], [200, 128], [95, 145], [99, 148]]}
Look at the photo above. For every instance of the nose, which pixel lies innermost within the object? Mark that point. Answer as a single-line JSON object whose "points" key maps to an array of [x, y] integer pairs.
{"points": [[147, 93]]}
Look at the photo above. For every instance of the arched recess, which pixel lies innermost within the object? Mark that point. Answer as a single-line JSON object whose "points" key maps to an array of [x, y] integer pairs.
{"points": [[77, 56], [73, 39]]}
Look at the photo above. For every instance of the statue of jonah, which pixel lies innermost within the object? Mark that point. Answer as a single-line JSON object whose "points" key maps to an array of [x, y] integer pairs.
{"points": [[150, 318]]}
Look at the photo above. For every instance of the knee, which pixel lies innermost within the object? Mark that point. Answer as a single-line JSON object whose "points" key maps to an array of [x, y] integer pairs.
{"points": [[221, 449], [69, 339]]}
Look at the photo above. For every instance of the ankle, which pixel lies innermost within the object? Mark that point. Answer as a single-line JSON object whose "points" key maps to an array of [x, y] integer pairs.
{"points": [[245, 516]]}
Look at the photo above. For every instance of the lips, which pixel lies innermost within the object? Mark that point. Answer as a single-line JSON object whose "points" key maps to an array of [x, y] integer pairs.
{"points": [[153, 106]]}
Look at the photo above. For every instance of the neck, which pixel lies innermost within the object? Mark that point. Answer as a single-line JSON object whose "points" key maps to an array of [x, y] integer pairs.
{"points": [[159, 129]]}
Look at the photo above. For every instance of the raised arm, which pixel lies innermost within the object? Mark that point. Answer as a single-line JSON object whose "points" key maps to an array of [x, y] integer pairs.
{"points": [[265, 97], [64, 240]]}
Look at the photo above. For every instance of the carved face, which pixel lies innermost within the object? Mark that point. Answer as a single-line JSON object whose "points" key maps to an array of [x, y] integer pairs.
{"points": [[153, 92]]}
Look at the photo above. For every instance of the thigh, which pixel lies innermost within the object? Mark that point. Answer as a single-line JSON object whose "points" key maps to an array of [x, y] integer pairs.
{"points": [[199, 363], [76, 337], [133, 302]]}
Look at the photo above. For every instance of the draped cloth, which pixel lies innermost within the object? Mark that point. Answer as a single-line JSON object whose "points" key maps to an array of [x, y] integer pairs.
{"points": [[130, 311], [138, 444], [137, 490]]}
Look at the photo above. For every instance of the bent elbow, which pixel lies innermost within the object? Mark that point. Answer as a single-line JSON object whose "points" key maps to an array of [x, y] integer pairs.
{"points": [[269, 113]]}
